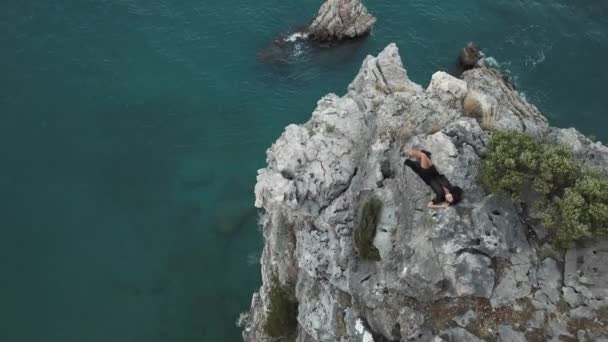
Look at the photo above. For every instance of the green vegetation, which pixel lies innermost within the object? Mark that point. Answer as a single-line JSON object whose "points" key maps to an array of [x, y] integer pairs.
{"points": [[364, 234], [510, 160], [572, 199], [282, 318]]}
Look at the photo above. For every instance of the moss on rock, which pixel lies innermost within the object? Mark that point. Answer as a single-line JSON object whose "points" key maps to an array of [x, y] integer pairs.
{"points": [[282, 316], [365, 232]]}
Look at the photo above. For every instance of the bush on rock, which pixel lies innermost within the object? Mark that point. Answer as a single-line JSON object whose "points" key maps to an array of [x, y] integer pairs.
{"points": [[571, 199], [510, 162], [365, 232], [282, 318]]}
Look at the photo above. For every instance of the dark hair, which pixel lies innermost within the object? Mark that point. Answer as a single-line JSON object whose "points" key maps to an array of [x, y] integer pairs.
{"points": [[456, 192]]}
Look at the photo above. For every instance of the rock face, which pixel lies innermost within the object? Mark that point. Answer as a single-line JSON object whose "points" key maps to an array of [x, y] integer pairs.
{"points": [[341, 19], [471, 272]]}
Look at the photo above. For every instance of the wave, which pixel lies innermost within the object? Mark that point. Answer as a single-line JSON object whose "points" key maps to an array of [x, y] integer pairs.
{"points": [[504, 68], [296, 36], [533, 61]]}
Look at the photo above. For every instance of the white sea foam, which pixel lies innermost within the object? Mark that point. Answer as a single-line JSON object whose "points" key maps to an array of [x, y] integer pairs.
{"points": [[296, 36], [504, 67], [533, 61], [297, 50], [491, 62]]}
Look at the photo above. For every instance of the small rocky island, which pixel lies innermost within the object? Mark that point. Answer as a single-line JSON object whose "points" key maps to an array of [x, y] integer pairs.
{"points": [[352, 253], [337, 22], [340, 20]]}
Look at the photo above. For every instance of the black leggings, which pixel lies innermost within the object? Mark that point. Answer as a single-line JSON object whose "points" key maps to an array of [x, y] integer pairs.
{"points": [[437, 183], [415, 166]]}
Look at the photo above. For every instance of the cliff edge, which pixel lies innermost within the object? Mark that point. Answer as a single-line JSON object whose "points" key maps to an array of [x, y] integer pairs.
{"points": [[476, 271]]}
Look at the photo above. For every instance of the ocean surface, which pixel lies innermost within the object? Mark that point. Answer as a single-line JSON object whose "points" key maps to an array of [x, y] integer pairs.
{"points": [[131, 132]]}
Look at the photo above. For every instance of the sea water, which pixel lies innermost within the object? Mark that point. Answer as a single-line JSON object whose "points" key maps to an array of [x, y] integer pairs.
{"points": [[131, 132]]}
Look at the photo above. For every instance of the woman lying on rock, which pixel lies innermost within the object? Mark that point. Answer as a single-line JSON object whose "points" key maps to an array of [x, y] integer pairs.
{"points": [[446, 193]]}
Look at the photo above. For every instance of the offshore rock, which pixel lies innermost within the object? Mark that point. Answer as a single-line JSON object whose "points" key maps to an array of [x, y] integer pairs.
{"points": [[340, 20], [469, 56], [475, 265]]}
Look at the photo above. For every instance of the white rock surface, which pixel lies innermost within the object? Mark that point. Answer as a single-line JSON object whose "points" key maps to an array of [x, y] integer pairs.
{"points": [[341, 19], [478, 253]]}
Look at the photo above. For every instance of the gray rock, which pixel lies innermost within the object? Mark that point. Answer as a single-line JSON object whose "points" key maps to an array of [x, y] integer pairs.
{"points": [[550, 279], [469, 56], [573, 298], [320, 315], [540, 300], [381, 76], [341, 19], [512, 111], [538, 319], [581, 335], [471, 257], [507, 334], [593, 154], [437, 339], [582, 312], [458, 335], [513, 284], [557, 327], [467, 131], [471, 275], [465, 319], [585, 271], [449, 90]]}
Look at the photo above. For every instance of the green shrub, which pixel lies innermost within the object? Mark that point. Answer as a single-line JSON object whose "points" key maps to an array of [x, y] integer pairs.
{"points": [[365, 232], [572, 200], [556, 171], [584, 207], [509, 163], [282, 318]]}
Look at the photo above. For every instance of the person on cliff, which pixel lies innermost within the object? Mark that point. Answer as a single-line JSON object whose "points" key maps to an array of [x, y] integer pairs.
{"points": [[446, 194]]}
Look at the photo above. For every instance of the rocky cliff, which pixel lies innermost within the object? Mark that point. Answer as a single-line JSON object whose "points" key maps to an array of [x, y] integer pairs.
{"points": [[476, 271]]}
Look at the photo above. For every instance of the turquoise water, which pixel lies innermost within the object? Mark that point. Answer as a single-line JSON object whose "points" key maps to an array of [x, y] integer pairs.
{"points": [[131, 132]]}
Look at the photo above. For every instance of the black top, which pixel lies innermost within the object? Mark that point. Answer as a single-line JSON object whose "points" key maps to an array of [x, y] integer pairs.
{"points": [[433, 179]]}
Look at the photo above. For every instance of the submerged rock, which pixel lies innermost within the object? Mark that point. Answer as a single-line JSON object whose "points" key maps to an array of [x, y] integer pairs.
{"points": [[435, 265], [340, 20]]}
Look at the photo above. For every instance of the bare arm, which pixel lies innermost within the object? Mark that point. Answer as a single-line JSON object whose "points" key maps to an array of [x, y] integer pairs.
{"points": [[425, 162], [438, 206]]}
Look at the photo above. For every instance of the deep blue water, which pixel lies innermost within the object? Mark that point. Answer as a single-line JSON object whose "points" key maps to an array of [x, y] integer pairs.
{"points": [[131, 132]]}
